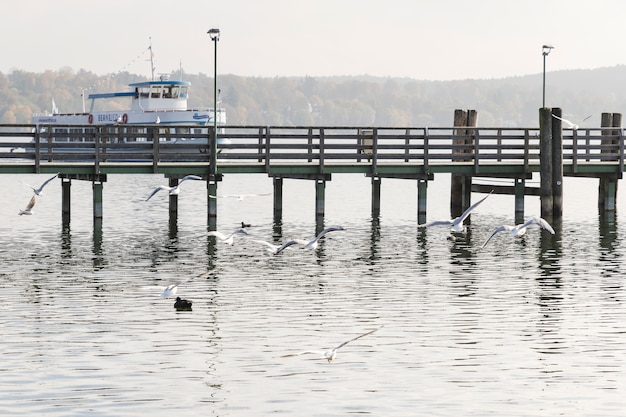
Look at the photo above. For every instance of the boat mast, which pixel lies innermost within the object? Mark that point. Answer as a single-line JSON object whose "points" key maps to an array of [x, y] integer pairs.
{"points": [[151, 58]]}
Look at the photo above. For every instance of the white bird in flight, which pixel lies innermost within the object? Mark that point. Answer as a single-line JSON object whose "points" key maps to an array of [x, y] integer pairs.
{"points": [[170, 290], [520, 229], [29, 208], [39, 191], [239, 197], [330, 354], [276, 249], [173, 190], [456, 223], [228, 239], [571, 125], [312, 244]]}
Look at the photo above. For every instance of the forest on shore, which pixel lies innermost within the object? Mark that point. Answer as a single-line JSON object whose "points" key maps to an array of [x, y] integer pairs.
{"points": [[341, 100]]}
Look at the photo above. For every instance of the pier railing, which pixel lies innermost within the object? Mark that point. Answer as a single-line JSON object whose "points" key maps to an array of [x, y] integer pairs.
{"points": [[322, 147]]}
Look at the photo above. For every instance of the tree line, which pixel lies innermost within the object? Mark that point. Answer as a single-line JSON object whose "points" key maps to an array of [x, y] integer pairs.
{"points": [[338, 101]]}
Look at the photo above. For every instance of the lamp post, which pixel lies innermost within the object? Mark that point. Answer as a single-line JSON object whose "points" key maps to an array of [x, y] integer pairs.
{"points": [[545, 51], [215, 36]]}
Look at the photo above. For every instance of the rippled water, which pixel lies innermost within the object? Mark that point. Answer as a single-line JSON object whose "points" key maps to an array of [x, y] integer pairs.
{"points": [[531, 327]]}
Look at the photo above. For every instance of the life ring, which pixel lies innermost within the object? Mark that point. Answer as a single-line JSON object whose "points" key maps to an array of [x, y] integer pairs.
{"points": [[90, 119], [124, 118]]}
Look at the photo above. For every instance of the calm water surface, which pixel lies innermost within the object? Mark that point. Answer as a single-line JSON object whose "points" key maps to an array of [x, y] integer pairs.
{"points": [[528, 327]]}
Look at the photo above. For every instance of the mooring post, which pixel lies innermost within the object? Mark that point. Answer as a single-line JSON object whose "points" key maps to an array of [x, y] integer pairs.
{"points": [[422, 186], [320, 197], [607, 188], [457, 182], [557, 164], [278, 199], [376, 182], [545, 162], [66, 197], [97, 200], [173, 202]]}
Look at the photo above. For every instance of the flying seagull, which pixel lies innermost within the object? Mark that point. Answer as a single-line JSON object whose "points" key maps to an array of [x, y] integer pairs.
{"points": [[227, 239], [312, 244], [173, 190], [39, 191], [456, 223], [571, 125], [29, 208], [276, 249], [330, 354], [520, 229], [170, 290], [239, 197]]}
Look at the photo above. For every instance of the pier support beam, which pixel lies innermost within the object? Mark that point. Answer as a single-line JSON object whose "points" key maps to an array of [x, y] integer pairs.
{"points": [[422, 186], [320, 198], [66, 198], [173, 200], [545, 161], [278, 199], [211, 186], [376, 182], [97, 200], [520, 185]]}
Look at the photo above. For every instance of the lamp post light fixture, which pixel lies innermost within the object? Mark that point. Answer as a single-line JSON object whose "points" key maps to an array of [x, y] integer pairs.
{"points": [[215, 36], [545, 51]]}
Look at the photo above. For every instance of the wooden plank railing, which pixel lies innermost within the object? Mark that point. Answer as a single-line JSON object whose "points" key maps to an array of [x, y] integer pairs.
{"points": [[322, 146]]}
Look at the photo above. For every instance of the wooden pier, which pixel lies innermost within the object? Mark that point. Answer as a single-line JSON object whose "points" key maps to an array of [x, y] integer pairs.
{"points": [[92, 153]]}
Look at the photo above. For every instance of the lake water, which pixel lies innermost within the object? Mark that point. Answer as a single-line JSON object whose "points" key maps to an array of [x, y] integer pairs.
{"points": [[526, 327]]}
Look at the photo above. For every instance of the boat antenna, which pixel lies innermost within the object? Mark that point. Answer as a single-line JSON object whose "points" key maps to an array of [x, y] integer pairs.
{"points": [[151, 58]]}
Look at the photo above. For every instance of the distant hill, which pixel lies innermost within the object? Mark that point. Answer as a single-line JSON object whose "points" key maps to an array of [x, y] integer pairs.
{"points": [[342, 100]]}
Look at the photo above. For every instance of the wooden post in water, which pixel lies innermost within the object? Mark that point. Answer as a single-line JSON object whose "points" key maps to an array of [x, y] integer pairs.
{"points": [[211, 186], [519, 188], [422, 186], [173, 201], [557, 164], [278, 199], [545, 161], [607, 189], [461, 185], [376, 182], [66, 197], [97, 200], [320, 198]]}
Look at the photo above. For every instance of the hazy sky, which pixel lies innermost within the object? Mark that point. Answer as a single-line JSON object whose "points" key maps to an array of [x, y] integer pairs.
{"points": [[422, 39]]}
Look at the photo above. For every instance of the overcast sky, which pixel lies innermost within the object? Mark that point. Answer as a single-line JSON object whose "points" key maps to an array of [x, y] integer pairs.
{"points": [[421, 39]]}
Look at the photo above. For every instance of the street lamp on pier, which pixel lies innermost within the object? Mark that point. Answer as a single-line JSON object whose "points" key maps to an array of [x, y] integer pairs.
{"points": [[545, 51], [215, 36]]}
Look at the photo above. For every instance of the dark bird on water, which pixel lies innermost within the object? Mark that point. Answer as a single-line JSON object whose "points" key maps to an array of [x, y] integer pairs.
{"points": [[182, 305]]}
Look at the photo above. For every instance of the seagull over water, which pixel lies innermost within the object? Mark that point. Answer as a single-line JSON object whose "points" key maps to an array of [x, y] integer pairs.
{"points": [[457, 223], [330, 354], [39, 191], [312, 244], [276, 249], [173, 190], [520, 229], [29, 208], [228, 239], [571, 125]]}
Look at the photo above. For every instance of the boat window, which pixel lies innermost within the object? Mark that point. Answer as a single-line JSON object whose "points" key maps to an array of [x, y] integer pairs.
{"points": [[156, 91], [144, 92], [183, 92]]}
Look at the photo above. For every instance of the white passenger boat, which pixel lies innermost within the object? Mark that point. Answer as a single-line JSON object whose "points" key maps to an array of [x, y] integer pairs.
{"points": [[162, 102]]}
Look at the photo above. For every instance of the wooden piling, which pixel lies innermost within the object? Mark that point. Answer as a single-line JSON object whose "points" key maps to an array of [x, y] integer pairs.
{"points": [[422, 186], [557, 164], [607, 186], [211, 186], [461, 185], [376, 183], [97, 200], [66, 197], [320, 198], [278, 199], [519, 190], [545, 161], [173, 201]]}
